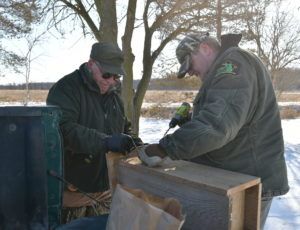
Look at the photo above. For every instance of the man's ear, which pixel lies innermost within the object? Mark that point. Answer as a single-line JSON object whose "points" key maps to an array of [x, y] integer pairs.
{"points": [[90, 63], [92, 67]]}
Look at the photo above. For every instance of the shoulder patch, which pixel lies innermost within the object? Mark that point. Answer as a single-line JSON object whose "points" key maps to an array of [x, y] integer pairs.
{"points": [[227, 67]]}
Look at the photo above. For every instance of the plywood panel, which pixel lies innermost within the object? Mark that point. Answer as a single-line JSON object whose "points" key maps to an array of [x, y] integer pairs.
{"points": [[211, 198], [236, 210], [200, 206], [252, 207]]}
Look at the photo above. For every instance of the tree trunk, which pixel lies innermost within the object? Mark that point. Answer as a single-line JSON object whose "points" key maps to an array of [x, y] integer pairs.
{"points": [[139, 96], [108, 31], [127, 88]]}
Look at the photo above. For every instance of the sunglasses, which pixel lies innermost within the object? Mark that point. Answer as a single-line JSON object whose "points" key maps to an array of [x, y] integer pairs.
{"points": [[109, 75]]}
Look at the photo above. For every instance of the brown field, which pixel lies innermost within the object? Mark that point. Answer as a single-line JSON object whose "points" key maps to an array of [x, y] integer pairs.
{"points": [[152, 96], [164, 96], [20, 95]]}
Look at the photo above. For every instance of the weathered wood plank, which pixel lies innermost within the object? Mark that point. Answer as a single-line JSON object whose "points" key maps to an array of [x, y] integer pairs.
{"points": [[236, 210], [217, 180], [252, 207], [211, 198]]}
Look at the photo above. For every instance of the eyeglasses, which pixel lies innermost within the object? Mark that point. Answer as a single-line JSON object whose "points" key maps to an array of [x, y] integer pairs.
{"points": [[109, 75]]}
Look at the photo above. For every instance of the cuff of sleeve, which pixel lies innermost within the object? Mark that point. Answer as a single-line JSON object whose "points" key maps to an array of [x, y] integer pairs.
{"points": [[163, 143]]}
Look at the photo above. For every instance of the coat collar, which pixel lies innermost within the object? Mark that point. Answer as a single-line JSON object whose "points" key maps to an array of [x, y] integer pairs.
{"points": [[87, 78]]}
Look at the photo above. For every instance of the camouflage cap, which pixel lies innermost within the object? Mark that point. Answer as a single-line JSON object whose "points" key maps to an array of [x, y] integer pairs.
{"points": [[184, 50], [110, 57]]}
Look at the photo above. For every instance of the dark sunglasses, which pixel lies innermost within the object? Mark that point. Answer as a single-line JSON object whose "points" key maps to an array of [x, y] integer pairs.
{"points": [[109, 75]]}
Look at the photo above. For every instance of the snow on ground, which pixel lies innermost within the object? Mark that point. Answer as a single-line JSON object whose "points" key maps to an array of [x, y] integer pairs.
{"points": [[145, 104], [285, 210], [18, 103], [177, 104]]}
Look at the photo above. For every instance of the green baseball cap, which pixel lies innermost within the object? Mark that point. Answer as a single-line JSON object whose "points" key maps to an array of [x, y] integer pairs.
{"points": [[184, 50], [110, 57]]}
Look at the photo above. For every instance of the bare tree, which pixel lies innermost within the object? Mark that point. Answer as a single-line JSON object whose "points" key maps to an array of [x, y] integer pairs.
{"points": [[95, 17], [277, 40], [16, 18], [162, 20], [32, 42], [167, 19]]}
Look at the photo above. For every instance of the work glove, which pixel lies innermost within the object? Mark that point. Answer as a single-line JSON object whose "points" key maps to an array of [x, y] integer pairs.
{"points": [[179, 120], [181, 116], [155, 150], [119, 142], [151, 155], [138, 141]]}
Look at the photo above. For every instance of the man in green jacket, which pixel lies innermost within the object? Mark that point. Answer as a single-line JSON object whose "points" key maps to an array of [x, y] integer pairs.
{"points": [[235, 123], [93, 123]]}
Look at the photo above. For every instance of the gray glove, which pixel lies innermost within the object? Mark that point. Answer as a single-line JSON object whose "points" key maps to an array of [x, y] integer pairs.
{"points": [[152, 155]]}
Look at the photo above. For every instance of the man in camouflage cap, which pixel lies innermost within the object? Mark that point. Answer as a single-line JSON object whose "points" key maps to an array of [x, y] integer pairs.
{"points": [[184, 50], [235, 124], [93, 123]]}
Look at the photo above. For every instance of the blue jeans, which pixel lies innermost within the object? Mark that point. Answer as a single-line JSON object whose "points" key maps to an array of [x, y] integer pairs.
{"points": [[86, 223]]}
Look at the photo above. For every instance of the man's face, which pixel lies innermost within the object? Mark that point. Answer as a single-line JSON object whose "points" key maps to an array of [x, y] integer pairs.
{"points": [[201, 60], [105, 81]]}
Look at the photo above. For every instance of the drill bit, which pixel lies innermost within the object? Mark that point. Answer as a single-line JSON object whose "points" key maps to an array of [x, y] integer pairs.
{"points": [[167, 131]]}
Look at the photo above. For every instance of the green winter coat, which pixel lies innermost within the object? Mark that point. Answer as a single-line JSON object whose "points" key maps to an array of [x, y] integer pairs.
{"points": [[88, 118], [236, 123]]}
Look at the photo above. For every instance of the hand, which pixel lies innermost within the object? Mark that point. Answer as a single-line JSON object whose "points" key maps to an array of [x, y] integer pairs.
{"points": [[179, 120], [137, 141], [155, 150], [119, 142], [184, 119], [154, 157]]}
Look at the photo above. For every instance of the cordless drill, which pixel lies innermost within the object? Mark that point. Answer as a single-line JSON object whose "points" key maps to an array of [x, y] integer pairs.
{"points": [[181, 114]]}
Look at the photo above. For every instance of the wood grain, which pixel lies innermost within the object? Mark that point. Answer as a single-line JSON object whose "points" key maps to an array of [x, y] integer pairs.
{"points": [[211, 198]]}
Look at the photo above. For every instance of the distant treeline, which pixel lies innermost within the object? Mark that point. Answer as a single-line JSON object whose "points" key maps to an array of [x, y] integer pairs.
{"points": [[287, 80], [31, 86], [171, 83]]}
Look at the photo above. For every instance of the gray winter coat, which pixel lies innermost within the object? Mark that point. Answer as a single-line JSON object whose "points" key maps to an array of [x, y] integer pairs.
{"points": [[236, 123]]}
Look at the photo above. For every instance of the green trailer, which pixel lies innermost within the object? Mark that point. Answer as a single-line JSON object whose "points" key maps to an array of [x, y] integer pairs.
{"points": [[31, 147]]}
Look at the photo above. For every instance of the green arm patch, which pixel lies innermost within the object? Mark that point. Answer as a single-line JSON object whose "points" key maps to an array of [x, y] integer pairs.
{"points": [[228, 67]]}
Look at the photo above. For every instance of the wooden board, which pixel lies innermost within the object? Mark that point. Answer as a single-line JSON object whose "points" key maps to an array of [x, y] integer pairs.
{"points": [[211, 198]]}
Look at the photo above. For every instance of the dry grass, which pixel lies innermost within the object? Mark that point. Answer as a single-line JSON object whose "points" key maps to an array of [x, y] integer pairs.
{"points": [[169, 96], [165, 96], [283, 97], [289, 112], [20, 95], [152, 96], [158, 112]]}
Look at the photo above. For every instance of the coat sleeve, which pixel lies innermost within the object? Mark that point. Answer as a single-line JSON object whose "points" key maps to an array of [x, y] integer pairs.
{"points": [[77, 138], [225, 109]]}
